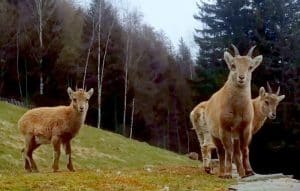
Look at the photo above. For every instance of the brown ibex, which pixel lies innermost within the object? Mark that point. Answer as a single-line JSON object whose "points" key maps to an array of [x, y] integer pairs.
{"points": [[55, 125], [229, 113], [264, 106]]}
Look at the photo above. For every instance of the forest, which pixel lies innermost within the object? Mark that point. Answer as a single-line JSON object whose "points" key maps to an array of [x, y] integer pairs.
{"points": [[145, 87]]}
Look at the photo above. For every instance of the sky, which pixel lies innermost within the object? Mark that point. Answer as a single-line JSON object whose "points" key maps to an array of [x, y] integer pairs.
{"points": [[173, 17]]}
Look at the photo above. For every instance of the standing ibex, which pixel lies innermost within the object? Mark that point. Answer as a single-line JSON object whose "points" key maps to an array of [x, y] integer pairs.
{"points": [[55, 125], [264, 106], [229, 113]]}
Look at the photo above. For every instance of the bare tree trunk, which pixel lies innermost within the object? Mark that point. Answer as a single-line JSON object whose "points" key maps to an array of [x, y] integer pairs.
{"points": [[187, 134], [116, 115], [26, 85], [40, 18], [125, 84], [168, 129], [18, 71], [132, 115], [102, 69], [99, 61], [88, 54], [191, 71]]}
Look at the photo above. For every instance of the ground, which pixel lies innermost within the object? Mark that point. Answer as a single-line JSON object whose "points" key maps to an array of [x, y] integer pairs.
{"points": [[102, 160]]}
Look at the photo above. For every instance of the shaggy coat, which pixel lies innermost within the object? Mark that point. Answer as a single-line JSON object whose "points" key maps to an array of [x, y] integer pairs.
{"points": [[55, 125]]}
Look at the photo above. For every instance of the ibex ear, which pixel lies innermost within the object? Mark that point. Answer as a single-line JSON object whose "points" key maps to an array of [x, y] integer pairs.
{"points": [[90, 92], [262, 92], [280, 98], [257, 61], [70, 92], [228, 59]]}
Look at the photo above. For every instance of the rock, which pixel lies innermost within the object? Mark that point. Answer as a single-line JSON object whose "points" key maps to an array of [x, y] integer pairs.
{"points": [[193, 155], [273, 182]]}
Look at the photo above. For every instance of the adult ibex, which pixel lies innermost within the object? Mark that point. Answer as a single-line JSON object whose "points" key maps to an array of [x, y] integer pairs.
{"points": [[229, 113]]}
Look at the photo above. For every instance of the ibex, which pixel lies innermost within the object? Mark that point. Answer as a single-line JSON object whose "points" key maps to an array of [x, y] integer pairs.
{"points": [[55, 125], [264, 106], [229, 113]]}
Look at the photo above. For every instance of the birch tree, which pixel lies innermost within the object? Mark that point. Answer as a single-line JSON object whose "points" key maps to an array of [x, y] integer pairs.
{"points": [[40, 12], [99, 62], [39, 6], [89, 52]]}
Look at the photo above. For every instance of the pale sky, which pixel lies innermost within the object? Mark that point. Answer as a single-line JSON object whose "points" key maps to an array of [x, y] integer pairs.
{"points": [[174, 17]]}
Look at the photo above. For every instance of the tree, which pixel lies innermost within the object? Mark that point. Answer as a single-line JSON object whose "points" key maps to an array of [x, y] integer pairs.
{"points": [[184, 59]]}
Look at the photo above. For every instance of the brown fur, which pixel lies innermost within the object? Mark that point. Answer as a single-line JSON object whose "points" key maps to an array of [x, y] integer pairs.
{"points": [[229, 113], [197, 117], [262, 110], [55, 125]]}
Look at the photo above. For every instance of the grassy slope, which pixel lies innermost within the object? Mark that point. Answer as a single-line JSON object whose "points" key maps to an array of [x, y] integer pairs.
{"points": [[103, 161]]}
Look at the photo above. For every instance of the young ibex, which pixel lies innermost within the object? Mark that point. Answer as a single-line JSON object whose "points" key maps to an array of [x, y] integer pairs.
{"points": [[55, 125], [264, 106], [229, 113]]}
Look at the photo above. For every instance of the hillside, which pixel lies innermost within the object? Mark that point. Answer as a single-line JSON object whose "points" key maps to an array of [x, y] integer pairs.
{"points": [[102, 160]]}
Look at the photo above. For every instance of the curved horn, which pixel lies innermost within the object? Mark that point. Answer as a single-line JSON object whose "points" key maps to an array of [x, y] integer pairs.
{"points": [[269, 88], [278, 90], [250, 52], [236, 51]]}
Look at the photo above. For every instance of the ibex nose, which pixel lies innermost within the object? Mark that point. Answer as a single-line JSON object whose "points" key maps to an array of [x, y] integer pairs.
{"points": [[241, 77], [273, 115], [81, 108]]}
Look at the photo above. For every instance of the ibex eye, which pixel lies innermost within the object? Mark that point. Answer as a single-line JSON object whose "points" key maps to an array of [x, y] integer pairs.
{"points": [[74, 99], [233, 66], [87, 100], [267, 103], [251, 67]]}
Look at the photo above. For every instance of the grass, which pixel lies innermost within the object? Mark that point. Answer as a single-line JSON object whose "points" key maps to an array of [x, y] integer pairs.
{"points": [[102, 160]]}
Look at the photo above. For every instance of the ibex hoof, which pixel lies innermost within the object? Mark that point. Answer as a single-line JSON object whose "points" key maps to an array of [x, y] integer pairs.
{"points": [[207, 170], [249, 173], [70, 167], [55, 168]]}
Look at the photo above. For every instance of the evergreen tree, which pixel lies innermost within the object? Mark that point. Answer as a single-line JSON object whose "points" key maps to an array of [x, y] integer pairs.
{"points": [[184, 60], [224, 22]]}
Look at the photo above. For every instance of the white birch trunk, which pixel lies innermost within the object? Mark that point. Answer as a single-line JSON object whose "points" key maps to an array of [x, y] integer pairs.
{"points": [[18, 71], [125, 84], [40, 30], [88, 54], [131, 123], [103, 65], [99, 62]]}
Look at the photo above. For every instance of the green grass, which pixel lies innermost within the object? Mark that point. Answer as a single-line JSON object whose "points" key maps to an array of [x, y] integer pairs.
{"points": [[102, 160]]}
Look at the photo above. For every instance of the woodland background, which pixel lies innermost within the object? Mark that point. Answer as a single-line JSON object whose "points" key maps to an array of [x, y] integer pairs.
{"points": [[146, 87]]}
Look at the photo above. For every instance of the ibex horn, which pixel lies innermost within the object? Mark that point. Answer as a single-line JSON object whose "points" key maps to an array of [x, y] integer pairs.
{"points": [[269, 88], [236, 51], [278, 91], [251, 51]]}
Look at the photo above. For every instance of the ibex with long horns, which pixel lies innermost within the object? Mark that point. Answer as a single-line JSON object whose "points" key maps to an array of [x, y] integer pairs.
{"points": [[229, 113]]}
